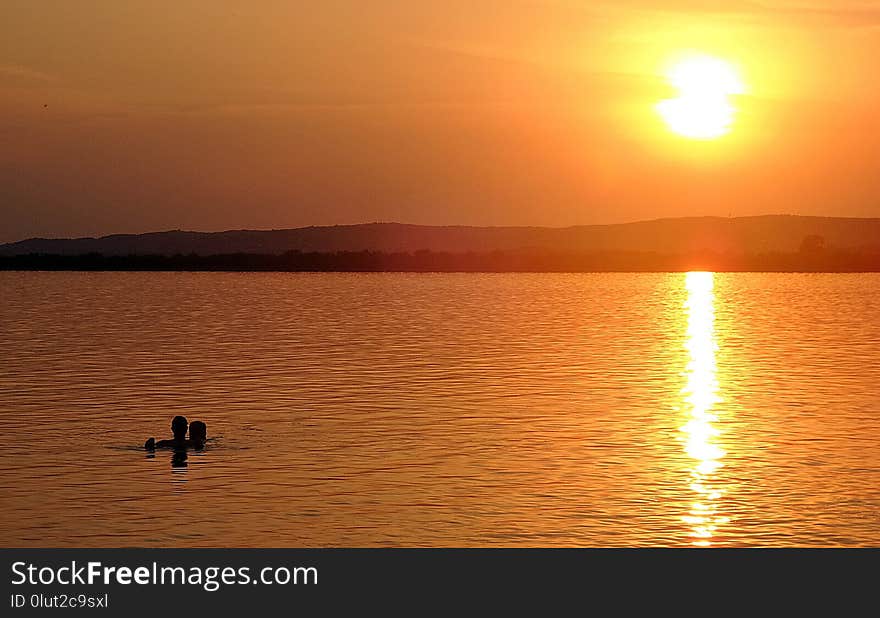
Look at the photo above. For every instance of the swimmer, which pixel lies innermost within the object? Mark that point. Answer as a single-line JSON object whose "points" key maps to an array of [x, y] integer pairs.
{"points": [[178, 428], [198, 435]]}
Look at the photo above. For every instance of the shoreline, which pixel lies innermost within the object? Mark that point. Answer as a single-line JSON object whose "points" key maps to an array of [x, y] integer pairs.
{"points": [[524, 261]]}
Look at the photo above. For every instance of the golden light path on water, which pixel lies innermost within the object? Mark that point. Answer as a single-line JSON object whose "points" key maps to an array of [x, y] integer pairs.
{"points": [[700, 395]]}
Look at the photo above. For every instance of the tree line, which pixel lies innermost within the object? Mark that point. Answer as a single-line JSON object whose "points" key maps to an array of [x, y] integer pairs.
{"points": [[812, 260]]}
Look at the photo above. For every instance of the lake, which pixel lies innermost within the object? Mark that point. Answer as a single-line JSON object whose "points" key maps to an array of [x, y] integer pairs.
{"points": [[441, 409]]}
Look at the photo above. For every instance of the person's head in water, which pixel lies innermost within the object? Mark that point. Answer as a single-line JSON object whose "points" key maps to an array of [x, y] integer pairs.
{"points": [[198, 432], [178, 427]]}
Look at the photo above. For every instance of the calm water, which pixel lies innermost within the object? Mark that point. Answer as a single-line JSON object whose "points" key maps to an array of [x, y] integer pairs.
{"points": [[434, 409]]}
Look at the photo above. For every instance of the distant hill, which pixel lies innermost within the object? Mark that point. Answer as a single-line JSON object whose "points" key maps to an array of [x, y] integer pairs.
{"points": [[748, 235]]}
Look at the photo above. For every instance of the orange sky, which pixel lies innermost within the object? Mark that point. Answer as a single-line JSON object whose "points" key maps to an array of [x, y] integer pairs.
{"points": [[209, 114]]}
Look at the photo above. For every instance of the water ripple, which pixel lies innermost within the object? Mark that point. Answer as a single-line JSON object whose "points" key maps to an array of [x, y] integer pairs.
{"points": [[438, 409]]}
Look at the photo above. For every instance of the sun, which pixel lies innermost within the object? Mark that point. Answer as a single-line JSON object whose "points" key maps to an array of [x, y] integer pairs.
{"points": [[703, 109]]}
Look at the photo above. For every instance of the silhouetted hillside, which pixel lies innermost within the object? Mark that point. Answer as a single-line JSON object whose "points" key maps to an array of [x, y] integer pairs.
{"points": [[742, 235]]}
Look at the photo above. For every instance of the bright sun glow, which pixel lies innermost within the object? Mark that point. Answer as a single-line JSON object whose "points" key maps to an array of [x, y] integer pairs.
{"points": [[703, 109]]}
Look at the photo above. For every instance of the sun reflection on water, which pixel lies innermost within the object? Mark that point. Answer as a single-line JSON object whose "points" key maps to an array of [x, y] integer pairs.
{"points": [[700, 396]]}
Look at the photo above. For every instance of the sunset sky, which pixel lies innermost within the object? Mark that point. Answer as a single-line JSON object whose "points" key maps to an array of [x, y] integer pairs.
{"points": [[144, 115]]}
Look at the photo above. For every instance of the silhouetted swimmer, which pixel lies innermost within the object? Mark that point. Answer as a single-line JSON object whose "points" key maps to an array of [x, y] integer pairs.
{"points": [[178, 428], [198, 435]]}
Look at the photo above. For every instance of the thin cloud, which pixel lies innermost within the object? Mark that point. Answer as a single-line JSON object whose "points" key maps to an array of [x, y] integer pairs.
{"points": [[19, 72], [840, 14]]}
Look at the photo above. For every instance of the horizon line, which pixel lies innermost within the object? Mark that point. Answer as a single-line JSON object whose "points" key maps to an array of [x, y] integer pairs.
{"points": [[424, 225]]}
